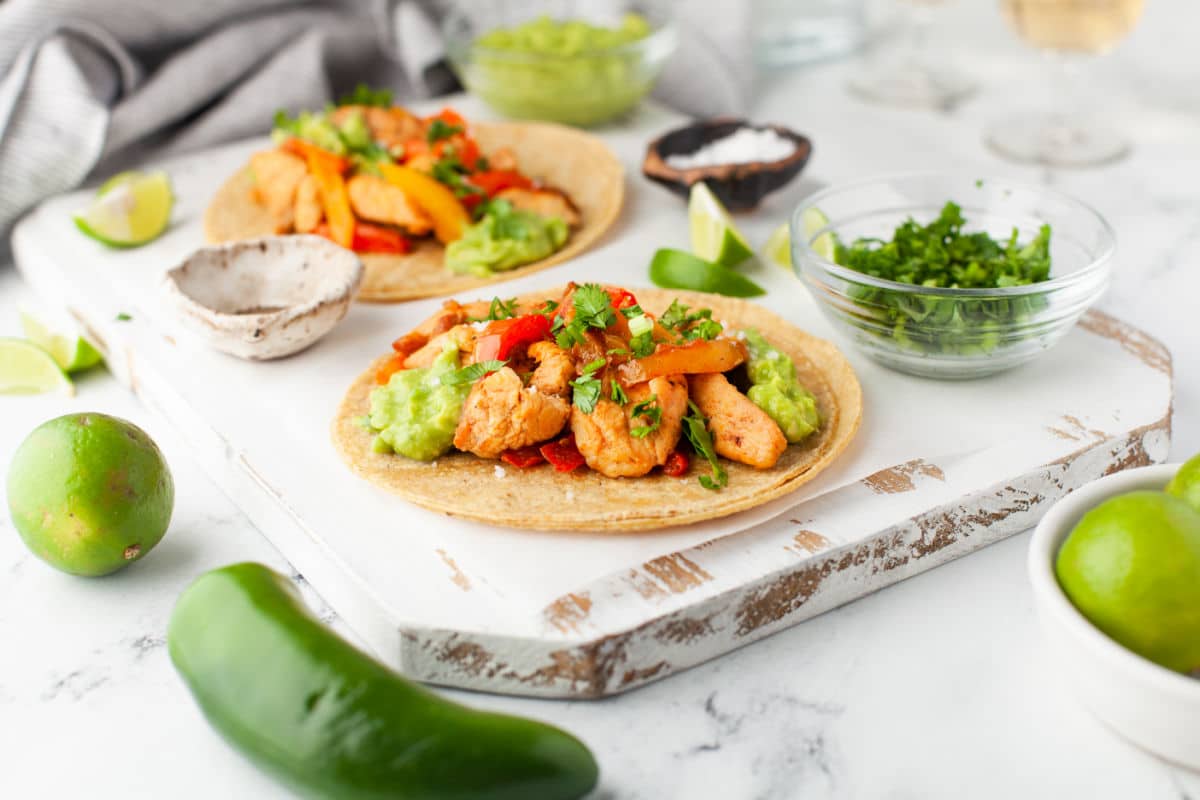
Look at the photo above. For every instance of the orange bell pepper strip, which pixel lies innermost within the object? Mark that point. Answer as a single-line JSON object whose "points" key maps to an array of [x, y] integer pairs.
{"points": [[449, 215], [335, 200], [306, 150]]}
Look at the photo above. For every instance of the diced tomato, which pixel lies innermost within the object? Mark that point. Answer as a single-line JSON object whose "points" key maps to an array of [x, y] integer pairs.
{"points": [[370, 238], [306, 150], [677, 464], [523, 458], [467, 150], [494, 181], [389, 368], [563, 454]]}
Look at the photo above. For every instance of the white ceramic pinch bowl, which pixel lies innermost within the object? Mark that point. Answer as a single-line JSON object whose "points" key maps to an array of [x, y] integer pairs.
{"points": [[264, 298], [1151, 706]]}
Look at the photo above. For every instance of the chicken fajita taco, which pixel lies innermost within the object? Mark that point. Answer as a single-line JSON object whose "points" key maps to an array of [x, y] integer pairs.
{"points": [[434, 205], [591, 408]]}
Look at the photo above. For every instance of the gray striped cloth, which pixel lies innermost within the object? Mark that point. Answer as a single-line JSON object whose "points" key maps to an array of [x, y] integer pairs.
{"points": [[88, 87]]}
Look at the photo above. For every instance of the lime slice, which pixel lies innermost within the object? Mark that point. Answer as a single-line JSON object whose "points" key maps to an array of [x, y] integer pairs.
{"points": [[675, 269], [714, 236], [825, 245], [130, 209], [26, 368], [73, 353]]}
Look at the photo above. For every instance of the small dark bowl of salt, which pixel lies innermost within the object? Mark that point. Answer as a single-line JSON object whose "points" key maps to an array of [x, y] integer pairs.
{"points": [[741, 162]]}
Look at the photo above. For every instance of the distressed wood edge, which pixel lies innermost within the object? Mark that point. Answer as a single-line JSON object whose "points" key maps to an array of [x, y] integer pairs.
{"points": [[615, 663]]}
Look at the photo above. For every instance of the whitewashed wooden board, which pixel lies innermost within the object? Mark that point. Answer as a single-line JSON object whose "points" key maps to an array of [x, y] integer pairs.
{"points": [[938, 469]]}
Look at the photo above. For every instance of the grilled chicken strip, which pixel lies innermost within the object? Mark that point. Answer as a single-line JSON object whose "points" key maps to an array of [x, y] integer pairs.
{"points": [[462, 336], [604, 438], [308, 212], [501, 413], [277, 175], [741, 431], [544, 202], [377, 200]]}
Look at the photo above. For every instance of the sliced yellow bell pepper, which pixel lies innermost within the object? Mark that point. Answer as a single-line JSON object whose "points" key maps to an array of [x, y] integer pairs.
{"points": [[449, 216], [334, 197]]}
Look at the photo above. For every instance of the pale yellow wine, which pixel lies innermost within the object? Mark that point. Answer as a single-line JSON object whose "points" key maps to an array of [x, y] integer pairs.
{"points": [[1079, 26]]}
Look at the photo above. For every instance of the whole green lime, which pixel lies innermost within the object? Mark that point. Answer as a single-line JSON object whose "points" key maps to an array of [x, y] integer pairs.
{"points": [[1186, 483], [1132, 567], [90, 493]]}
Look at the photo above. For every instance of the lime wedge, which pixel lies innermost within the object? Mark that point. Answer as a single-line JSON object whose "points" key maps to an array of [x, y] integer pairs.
{"points": [[130, 209], [778, 249], [825, 245], [26, 368], [73, 353], [675, 269], [714, 236]]}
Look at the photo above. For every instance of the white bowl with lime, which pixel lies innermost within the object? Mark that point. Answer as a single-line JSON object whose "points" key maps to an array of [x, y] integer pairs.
{"points": [[1115, 570]]}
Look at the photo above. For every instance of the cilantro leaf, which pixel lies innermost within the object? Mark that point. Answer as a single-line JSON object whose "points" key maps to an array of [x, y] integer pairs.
{"points": [[695, 427], [691, 325], [649, 410], [364, 95], [548, 308], [643, 344], [632, 311], [440, 129], [593, 306], [618, 394], [471, 373], [586, 388]]}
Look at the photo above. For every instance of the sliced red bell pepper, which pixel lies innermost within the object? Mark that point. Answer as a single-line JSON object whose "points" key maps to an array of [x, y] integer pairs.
{"points": [[522, 331], [370, 238], [677, 464], [524, 457], [494, 181], [389, 368], [622, 298], [563, 454]]}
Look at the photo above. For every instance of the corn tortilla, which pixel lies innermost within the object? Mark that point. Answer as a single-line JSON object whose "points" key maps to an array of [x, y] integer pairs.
{"points": [[464, 485], [577, 163]]}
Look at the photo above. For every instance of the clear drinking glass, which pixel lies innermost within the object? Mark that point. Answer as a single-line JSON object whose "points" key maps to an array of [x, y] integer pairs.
{"points": [[906, 68], [1069, 33], [787, 32]]}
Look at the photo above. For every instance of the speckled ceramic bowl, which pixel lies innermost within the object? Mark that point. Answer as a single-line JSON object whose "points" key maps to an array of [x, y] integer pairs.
{"points": [[264, 298], [740, 187]]}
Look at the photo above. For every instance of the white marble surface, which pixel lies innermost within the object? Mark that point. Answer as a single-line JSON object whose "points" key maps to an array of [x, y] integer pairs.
{"points": [[936, 688]]}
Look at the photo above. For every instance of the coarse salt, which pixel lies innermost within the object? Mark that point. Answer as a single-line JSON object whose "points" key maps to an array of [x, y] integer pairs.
{"points": [[743, 146], [499, 471]]}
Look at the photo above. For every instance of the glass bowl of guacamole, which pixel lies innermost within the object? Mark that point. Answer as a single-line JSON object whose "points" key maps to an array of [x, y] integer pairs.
{"points": [[560, 62]]}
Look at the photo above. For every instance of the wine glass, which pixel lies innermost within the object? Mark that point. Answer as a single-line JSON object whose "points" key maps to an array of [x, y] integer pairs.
{"points": [[1069, 32], [904, 69]]}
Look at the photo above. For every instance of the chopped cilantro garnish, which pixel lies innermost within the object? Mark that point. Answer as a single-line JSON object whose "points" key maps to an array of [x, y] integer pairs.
{"points": [[440, 129], [548, 308], [123, 317], [695, 427], [650, 411], [450, 170], [364, 95], [941, 255], [632, 311], [618, 394], [690, 326], [499, 309], [593, 306], [643, 344], [586, 388], [471, 373], [594, 365], [617, 351]]}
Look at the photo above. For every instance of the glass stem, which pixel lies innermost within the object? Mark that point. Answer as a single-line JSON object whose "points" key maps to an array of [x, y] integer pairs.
{"points": [[1066, 113]]}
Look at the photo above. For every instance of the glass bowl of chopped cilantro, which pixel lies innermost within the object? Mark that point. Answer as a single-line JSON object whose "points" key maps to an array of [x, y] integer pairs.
{"points": [[951, 277], [575, 63]]}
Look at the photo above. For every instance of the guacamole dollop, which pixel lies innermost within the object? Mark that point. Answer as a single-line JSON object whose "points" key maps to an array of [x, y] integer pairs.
{"points": [[582, 73], [505, 237], [415, 414], [776, 389]]}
